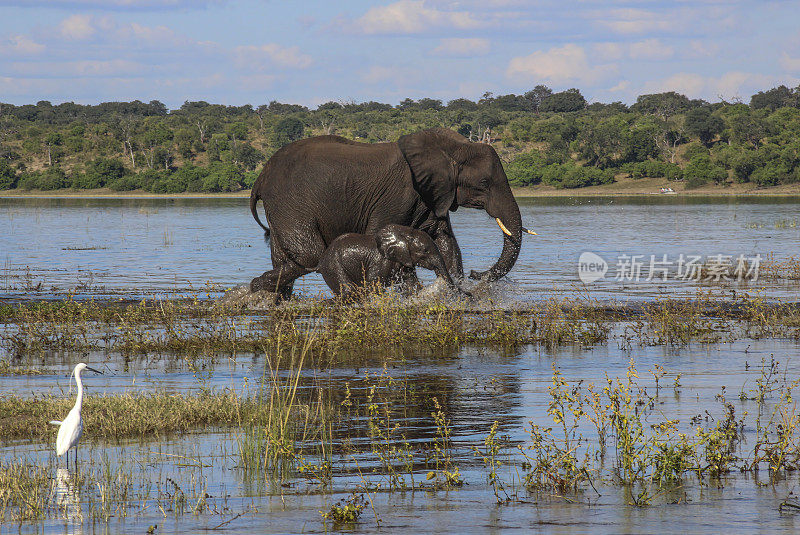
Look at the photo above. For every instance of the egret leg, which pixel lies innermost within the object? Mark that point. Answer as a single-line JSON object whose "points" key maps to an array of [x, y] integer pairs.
{"points": [[76, 457]]}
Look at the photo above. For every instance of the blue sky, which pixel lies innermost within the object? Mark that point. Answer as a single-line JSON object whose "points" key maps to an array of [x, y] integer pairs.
{"points": [[246, 51]]}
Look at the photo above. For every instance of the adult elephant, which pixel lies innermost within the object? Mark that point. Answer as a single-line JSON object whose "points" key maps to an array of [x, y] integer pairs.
{"points": [[319, 188]]}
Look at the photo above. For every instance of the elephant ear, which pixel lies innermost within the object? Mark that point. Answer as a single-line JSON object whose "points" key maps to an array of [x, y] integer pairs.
{"points": [[393, 248], [434, 170]]}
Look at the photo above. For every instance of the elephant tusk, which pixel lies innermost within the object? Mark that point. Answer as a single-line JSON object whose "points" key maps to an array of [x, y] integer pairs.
{"points": [[502, 227], [532, 233]]}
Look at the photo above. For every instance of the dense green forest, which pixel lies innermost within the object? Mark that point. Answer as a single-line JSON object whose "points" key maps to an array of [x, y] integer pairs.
{"points": [[543, 137]]}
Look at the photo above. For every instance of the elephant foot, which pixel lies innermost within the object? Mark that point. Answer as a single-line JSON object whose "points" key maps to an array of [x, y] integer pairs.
{"points": [[258, 284], [268, 282], [479, 275]]}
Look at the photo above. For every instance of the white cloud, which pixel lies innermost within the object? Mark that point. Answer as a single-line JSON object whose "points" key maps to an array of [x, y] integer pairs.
{"points": [[635, 21], [649, 49], [789, 63], [462, 47], [20, 45], [271, 55], [624, 85], [412, 16], [77, 27], [378, 73], [692, 85], [107, 29], [400, 81], [560, 65], [114, 4], [729, 85], [22, 87], [80, 68], [258, 81], [152, 35], [609, 51], [703, 49]]}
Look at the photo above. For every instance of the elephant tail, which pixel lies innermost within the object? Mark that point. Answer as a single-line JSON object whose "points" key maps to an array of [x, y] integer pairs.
{"points": [[253, 209]]}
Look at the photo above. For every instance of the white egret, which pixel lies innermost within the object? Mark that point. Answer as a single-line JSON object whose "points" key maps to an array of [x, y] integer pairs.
{"points": [[71, 428]]}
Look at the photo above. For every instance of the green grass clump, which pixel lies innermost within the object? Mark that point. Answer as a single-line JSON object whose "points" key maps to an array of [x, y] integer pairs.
{"points": [[24, 492], [127, 415], [6, 368]]}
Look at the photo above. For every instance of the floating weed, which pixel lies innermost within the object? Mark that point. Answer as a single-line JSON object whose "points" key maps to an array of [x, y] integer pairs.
{"points": [[776, 269], [718, 445], [287, 435], [293, 426], [345, 511]]}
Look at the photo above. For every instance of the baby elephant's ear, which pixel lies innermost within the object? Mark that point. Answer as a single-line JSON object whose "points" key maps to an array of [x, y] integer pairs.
{"points": [[393, 246]]}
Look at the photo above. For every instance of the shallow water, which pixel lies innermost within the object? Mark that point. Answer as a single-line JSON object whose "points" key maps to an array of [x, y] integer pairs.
{"points": [[146, 246], [477, 388], [175, 247]]}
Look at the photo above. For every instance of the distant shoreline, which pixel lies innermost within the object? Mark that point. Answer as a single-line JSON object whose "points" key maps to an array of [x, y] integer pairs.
{"points": [[623, 187], [652, 186]]}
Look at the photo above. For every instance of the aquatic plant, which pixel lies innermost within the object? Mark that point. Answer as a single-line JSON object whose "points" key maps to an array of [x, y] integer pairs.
{"points": [[445, 474], [345, 511], [490, 455]]}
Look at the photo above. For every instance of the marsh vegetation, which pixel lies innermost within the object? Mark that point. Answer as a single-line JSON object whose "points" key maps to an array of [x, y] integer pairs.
{"points": [[333, 402]]}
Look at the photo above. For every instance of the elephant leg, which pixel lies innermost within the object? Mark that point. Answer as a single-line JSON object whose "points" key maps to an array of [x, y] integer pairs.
{"points": [[280, 279], [445, 240], [336, 278]]}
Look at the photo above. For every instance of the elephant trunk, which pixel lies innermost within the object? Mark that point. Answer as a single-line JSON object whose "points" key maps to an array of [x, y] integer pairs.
{"points": [[436, 263], [443, 272], [506, 211]]}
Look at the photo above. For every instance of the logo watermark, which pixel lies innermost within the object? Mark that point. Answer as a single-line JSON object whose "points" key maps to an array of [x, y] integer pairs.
{"points": [[591, 267], [698, 268]]}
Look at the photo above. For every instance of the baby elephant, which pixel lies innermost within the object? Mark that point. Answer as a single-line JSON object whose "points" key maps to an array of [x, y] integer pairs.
{"points": [[388, 256]]}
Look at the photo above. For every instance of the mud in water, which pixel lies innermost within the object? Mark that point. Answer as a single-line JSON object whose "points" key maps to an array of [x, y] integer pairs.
{"points": [[241, 296]]}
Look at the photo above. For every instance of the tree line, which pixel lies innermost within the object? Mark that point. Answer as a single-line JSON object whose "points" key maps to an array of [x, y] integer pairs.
{"points": [[555, 138]]}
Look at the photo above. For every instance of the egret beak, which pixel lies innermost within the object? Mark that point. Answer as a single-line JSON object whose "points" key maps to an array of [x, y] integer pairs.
{"points": [[95, 371], [502, 227], [532, 233]]}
